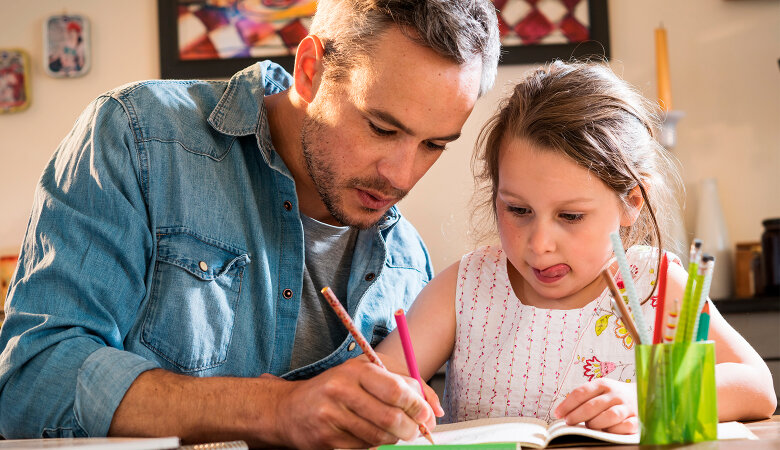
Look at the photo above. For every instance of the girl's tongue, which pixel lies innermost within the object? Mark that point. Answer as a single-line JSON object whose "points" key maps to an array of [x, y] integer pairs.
{"points": [[552, 273]]}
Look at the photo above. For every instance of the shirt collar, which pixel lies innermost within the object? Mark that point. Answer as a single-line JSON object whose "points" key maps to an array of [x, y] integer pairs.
{"points": [[241, 110]]}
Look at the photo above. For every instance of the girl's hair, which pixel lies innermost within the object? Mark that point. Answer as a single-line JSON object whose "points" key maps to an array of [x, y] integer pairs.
{"points": [[588, 114]]}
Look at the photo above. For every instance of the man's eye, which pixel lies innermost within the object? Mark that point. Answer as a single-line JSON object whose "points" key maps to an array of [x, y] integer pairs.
{"points": [[434, 146], [380, 131], [570, 217]]}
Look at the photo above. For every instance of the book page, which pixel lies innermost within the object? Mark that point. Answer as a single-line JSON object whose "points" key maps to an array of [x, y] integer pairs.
{"points": [[559, 429], [527, 431]]}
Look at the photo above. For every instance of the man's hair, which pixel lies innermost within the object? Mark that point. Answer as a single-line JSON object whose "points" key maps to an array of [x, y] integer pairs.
{"points": [[460, 30]]}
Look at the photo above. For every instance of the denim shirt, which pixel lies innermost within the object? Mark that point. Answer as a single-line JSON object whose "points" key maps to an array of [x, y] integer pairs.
{"points": [[165, 233]]}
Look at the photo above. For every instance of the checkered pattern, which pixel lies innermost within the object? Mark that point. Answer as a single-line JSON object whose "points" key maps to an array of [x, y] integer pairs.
{"points": [[216, 32], [528, 22]]}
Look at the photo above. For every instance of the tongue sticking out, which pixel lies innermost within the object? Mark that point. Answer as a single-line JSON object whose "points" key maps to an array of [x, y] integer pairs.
{"points": [[555, 271]]}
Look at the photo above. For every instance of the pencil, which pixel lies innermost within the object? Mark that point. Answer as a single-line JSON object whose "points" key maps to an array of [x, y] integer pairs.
{"points": [[406, 344], [628, 282], [617, 301], [659, 307], [342, 313], [703, 331], [684, 321]]}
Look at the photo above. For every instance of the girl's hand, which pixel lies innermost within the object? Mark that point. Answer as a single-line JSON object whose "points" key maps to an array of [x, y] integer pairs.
{"points": [[603, 404]]}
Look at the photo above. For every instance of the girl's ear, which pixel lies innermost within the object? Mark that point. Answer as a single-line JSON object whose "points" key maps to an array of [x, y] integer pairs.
{"points": [[634, 202], [308, 67]]}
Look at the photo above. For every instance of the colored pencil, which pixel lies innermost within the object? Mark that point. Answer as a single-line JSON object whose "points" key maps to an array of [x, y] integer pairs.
{"points": [[670, 325], [342, 313], [660, 306], [708, 265], [628, 282], [406, 344], [703, 332], [619, 306], [687, 310]]}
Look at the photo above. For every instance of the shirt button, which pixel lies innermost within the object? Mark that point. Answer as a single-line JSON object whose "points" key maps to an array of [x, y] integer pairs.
{"points": [[351, 346], [287, 293], [370, 276], [203, 266], [287, 205]]}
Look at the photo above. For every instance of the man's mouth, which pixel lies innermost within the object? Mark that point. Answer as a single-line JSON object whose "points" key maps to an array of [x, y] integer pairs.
{"points": [[373, 200]]}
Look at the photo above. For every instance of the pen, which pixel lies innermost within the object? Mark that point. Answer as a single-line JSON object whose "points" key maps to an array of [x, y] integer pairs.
{"points": [[342, 313]]}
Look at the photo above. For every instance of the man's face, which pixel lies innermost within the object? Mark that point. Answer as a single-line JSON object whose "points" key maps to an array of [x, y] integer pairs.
{"points": [[369, 138]]}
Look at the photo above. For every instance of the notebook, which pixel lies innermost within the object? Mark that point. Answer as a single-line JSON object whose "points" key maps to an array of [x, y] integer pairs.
{"points": [[513, 432], [96, 443]]}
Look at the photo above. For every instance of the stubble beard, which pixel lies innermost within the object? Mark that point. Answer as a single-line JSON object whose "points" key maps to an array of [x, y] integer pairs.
{"points": [[326, 181]]}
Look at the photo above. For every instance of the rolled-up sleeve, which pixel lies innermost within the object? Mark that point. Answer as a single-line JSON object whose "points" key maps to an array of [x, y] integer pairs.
{"points": [[80, 284]]}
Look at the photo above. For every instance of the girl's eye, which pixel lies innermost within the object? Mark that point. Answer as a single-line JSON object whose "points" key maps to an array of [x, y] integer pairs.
{"points": [[380, 131], [518, 210], [569, 217]]}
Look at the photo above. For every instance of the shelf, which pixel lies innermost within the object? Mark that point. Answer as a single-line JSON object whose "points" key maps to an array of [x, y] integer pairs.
{"points": [[747, 305]]}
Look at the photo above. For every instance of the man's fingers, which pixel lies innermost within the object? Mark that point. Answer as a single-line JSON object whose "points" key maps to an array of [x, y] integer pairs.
{"points": [[576, 398], [433, 400], [394, 390], [360, 433]]}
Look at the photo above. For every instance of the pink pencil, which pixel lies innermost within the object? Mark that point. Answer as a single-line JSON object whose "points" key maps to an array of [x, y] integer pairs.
{"points": [[334, 303], [406, 343]]}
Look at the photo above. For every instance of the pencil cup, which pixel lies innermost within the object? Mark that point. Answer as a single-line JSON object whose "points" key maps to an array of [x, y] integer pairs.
{"points": [[676, 393]]}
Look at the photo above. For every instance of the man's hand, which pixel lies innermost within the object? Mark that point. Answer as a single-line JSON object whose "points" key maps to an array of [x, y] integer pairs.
{"points": [[603, 404], [355, 404]]}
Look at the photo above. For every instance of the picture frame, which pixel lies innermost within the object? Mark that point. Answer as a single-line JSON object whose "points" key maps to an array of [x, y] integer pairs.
{"points": [[187, 27], [217, 38], [572, 29], [66, 39], [14, 80]]}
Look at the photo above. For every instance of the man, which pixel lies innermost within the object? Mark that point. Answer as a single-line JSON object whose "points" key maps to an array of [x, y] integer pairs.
{"points": [[182, 231]]}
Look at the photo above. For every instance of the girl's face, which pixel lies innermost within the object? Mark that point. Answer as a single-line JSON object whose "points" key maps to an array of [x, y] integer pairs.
{"points": [[554, 221]]}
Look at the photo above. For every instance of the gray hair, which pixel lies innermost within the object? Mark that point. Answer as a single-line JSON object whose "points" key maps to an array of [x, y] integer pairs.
{"points": [[460, 30]]}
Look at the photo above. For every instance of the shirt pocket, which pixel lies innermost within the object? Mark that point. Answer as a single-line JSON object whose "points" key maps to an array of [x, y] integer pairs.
{"points": [[195, 291]]}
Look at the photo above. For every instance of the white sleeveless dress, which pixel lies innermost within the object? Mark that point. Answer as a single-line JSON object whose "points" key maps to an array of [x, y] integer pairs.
{"points": [[512, 359]]}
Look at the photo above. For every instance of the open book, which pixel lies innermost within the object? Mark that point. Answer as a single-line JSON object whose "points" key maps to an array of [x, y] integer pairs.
{"points": [[536, 433]]}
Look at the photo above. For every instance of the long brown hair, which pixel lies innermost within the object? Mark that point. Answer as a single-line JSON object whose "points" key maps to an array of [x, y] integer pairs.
{"points": [[588, 114]]}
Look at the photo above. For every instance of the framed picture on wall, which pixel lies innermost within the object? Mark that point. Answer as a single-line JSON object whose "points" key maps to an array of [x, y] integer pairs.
{"points": [[538, 31], [66, 40], [216, 38], [14, 80]]}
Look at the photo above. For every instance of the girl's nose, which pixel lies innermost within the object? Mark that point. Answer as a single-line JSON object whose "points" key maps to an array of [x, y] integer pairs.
{"points": [[541, 240]]}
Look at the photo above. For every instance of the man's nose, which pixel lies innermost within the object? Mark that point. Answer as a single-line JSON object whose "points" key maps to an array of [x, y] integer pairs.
{"points": [[398, 166]]}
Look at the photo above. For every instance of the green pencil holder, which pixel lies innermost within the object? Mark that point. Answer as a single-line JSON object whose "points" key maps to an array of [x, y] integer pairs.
{"points": [[676, 393]]}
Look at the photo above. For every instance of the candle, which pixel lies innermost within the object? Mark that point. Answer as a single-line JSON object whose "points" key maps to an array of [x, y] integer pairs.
{"points": [[662, 69]]}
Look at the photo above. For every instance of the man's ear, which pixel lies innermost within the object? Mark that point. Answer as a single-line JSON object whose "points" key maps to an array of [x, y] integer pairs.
{"points": [[308, 67], [634, 202]]}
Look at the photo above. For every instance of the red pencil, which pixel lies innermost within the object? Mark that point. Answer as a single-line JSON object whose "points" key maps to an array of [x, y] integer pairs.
{"points": [[659, 308], [334, 303]]}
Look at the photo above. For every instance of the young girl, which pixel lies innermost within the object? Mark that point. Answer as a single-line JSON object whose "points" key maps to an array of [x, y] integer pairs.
{"points": [[527, 326]]}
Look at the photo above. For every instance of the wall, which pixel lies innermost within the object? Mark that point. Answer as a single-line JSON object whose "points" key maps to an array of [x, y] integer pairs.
{"points": [[723, 58], [124, 48]]}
